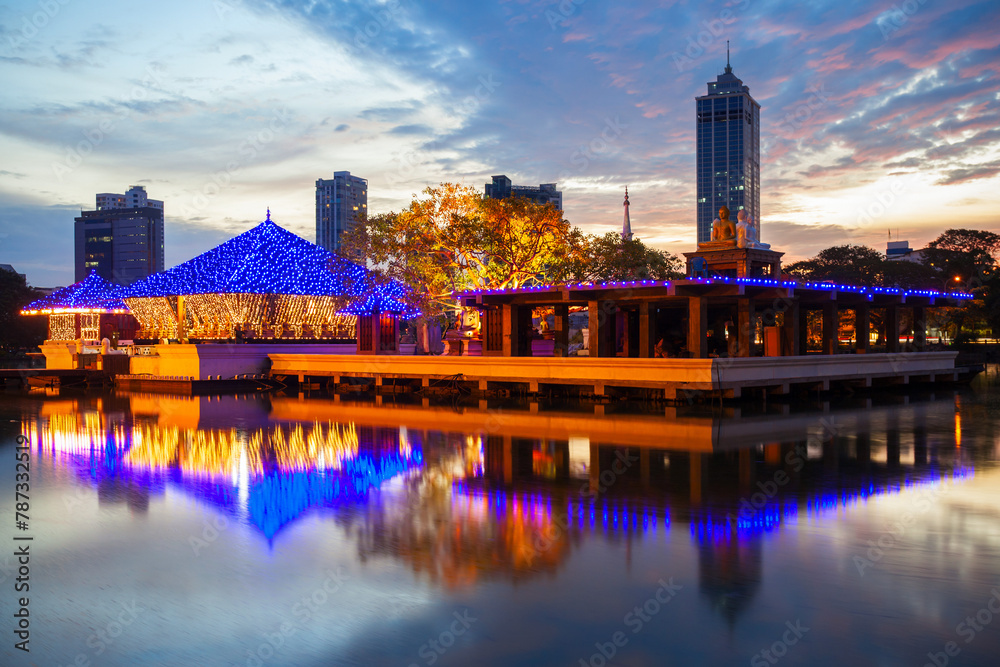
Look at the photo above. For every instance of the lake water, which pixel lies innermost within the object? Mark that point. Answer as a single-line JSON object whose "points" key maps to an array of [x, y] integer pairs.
{"points": [[316, 530]]}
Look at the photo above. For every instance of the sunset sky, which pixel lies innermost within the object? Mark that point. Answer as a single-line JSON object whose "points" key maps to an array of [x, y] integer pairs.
{"points": [[875, 115]]}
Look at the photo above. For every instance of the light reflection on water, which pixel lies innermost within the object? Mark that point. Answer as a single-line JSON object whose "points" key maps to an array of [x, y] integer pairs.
{"points": [[878, 527]]}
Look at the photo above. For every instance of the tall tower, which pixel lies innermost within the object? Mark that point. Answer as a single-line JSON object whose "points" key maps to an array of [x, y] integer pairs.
{"points": [[626, 222], [341, 202], [728, 163]]}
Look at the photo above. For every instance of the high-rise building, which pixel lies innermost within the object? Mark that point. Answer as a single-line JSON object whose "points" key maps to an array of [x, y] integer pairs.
{"points": [[122, 239], [728, 161], [545, 193], [341, 203]]}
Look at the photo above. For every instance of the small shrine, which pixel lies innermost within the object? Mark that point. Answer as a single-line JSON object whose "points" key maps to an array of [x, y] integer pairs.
{"points": [[735, 251]]}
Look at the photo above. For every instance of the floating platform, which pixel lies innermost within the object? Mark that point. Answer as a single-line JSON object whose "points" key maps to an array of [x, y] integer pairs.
{"points": [[677, 379]]}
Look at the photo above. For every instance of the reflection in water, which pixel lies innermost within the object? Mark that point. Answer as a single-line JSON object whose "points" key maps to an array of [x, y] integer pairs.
{"points": [[459, 501]]}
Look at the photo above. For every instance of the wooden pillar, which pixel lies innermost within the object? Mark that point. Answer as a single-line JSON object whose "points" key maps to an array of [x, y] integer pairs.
{"points": [[831, 325], [791, 340], [561, 328], [803, 331], [647, 330], [892, 328], [602, 328], [511, 330], [697, 343], [745, 326], [862, 328], [181, 320], [919, 328]]}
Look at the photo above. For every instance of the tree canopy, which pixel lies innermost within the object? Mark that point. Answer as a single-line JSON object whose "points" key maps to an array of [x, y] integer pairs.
{"points": [[611, 257]]}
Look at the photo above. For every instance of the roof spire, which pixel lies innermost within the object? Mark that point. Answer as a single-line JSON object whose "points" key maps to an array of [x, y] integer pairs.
{"points": [[626, 222], [729, 68], [268, 214]]}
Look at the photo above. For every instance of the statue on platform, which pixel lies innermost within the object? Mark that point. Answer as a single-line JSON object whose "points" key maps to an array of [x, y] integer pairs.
{"points": [[723, 228], [747, 232]]}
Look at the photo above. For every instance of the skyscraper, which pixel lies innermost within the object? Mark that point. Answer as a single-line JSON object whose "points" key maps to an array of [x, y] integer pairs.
{"points": [[122, 239], [728, 161], [340, 203], [545, 193]]}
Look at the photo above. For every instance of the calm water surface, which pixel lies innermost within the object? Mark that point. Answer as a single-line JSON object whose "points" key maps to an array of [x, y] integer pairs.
{"points": [[315, 530]]}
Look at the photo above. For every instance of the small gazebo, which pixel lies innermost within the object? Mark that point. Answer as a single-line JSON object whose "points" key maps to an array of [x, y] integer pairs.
{"points": [[266, 284], [88, 311]]}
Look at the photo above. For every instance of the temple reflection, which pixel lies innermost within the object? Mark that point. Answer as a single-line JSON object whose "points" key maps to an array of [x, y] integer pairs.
{"points": [[464, 497]]}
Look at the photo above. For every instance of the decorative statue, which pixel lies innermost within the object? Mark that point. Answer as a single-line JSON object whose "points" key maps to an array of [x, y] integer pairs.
{"points": [[722, 227], [747, 232]]}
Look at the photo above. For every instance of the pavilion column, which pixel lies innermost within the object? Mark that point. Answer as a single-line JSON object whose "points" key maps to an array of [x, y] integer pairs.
{"points": [[791, 343], [831, 325], [697, 343], [512, 333], [745, 329], [647, 330], [803, 331], [181, 320], [602, 328], [862, 328], [561, 329], [919, 328], [892, 328]]}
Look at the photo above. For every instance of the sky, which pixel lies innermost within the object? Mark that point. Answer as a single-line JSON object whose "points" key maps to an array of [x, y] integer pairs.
{"points": [[876, 115]]}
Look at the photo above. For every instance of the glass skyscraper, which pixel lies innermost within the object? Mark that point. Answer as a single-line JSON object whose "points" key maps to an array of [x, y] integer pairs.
{"points": [[728, 151]]}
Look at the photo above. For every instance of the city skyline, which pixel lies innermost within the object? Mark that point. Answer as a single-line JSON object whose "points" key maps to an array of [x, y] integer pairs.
{"points": [[221, 108]]}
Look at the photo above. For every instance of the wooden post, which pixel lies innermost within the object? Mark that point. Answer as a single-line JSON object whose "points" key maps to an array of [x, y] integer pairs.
{"points": [[511, 333], [791, 345], [647, 330], [831, 325], [745, 328], [602, 328], [561, 330], [919, 328], [697, 343], [181, 320], [892, 328], [862, 328]]}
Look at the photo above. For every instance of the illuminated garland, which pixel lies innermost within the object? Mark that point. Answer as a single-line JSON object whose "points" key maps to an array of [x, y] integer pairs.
{"points": [[269, 260], [760, 282], [93, 294]]}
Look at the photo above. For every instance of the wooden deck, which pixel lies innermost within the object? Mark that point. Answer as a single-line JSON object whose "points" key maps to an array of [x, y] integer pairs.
{"points": [[678, 379]]}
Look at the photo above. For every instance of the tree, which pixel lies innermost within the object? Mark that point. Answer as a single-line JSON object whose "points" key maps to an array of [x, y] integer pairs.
{"points": [[17, 331], [844, 264], [613, 258], [453, 239]]}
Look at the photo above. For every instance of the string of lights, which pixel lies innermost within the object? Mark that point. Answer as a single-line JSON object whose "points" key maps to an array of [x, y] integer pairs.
{"points": [[93, 294]]}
